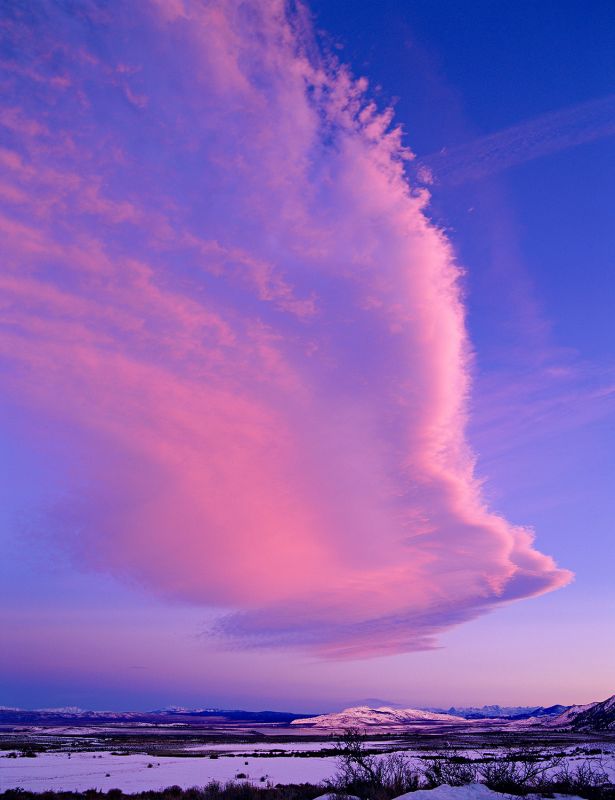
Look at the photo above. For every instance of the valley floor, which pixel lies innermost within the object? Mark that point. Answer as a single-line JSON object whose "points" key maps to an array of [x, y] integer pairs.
{"points": [[134, 759]]}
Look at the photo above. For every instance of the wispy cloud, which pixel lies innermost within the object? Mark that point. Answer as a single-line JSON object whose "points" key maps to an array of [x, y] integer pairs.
{"points": [[541, 136], [231, 307]]}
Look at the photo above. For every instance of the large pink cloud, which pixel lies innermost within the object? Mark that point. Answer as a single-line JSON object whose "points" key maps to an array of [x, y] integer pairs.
{"points": [[222, 296]]}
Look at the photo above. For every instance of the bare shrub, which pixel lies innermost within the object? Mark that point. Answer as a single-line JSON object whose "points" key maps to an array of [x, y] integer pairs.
{"points": [[582, 779], [519, 771], [451, 769], [368, 774]]}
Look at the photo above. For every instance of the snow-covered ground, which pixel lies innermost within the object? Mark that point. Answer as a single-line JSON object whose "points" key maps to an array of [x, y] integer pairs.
{"points": [[131, 773], [473, 791]]}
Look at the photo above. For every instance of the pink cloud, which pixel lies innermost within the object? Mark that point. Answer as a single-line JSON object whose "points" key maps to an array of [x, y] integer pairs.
{"points": [[248, 334]]}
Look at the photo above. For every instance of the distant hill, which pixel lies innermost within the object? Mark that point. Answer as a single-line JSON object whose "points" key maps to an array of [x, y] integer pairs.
{"points": [[73, 715], [501, 712], [541, 711], [239, 715], [598, 716], [364, 716]]}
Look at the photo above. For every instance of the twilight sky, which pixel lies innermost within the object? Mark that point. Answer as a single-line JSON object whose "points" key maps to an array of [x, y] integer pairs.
{"points": [[307, 352]]}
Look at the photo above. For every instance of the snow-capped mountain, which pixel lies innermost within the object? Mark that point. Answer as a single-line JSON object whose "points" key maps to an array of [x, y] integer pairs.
{"points": [[74, 711], [598, 716], [500, 712], [364, 716], [590, 717], [563, 720]]}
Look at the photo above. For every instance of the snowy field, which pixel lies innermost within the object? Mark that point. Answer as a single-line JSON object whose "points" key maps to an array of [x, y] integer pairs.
{"points": [[133, 773], [136, 772]]}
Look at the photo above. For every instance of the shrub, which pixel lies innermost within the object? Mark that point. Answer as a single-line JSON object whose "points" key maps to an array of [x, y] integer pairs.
{"points": [[522, 771], [449, 769], [364, 773]]}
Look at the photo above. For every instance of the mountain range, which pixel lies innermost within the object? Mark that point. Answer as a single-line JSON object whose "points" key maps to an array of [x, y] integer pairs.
{"points": [[168, 715], [500, 712], [590, 717], [598, 716]]}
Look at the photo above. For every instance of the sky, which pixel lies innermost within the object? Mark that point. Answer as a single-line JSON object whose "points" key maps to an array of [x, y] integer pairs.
{"points": [[308, 379]]}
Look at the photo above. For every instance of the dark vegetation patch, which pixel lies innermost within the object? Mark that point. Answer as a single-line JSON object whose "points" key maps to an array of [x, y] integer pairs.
{"points": [[233, 790], [512, 771]]}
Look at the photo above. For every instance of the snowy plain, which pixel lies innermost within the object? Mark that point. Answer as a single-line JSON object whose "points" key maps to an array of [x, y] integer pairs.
{"points": [[134, 772]]}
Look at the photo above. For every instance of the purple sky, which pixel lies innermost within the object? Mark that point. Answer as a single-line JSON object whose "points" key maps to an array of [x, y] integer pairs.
{"points": [[296, 400]]}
